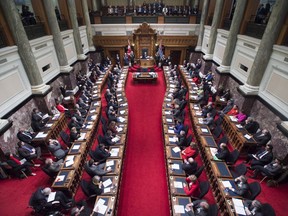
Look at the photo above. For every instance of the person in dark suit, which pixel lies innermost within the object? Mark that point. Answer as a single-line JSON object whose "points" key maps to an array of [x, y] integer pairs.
{"points": [[252, 207], [251, 125], [53, 167], [28, 152], [262, 137], [271, 169], [108, 138], [100, 154], [74, 134], [190, 167], [38, 119], [178, 127], [81, 209], [262, 157], [97, 168], [242, 186], [182, 139], [198, 208], [223, 152], [25, 136], [55, 148], [95, 186], [74, 123], [18, 164]]}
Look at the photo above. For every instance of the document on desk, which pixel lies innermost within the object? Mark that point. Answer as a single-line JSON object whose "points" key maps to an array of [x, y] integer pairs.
{"points": [[125, 104], [171, 131], [69, 163], [196, 107], [204, 130], [233, 118], [176, 149], [172, 139], [247, 136], [178, 184], [60, 178], [107, 190], [198, 113], [100, 207], [48, 125], [175, 166], [213, 151], [239, 126], [41, 135], [109, 163], [92, 111], [107, 183], [179, 209], [89, 126], [226, 184], [76, 147], [169, 120], [119, 129], [93, 117], [51, 197], [121, 119], [114, 152], [167, 113], [82, 136], [122, 112], [96, 104], [239, 207], [115, 139], [119, 100]]}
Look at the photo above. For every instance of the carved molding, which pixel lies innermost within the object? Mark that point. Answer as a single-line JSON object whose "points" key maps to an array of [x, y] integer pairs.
{"points": [[145, 28]]}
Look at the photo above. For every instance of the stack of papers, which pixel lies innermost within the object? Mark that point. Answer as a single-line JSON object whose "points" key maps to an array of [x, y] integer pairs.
{"points": [[100, 207], [82, 136], [178, 184], [41, 135], [176, 149], [122, 112], [109, 163], [119, 129], [115, 139], [239, 207], [69, 160], [171, 131], [175, 166], [172, 139], [247, 136], [121, 119], [179, 209], [114, 152]]}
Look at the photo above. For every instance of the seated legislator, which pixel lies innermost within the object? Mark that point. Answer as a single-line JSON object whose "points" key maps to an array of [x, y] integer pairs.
{"points": [[241, 116], [40, 199], [81, 209], [25, 136], [38, 120], [100, 154], [28, 152], [252, 207], [208, 120], [61, 108], [97, 168], [56, 150], [18, 164], [227, 108], [242, 186], [192, 188], [190, 166], [234, 111], [198, 208], [178, 127], [53, 167], [181, 139], [74, 123], [74, 134], [262, 157], [95, 186], [223, 153], [190, 151], [262, 137], [271, 169], [251, 125]]}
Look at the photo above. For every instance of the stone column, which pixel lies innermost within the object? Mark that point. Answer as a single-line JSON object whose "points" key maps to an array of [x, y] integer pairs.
{"points": [[232, 37], [103, 3], [76, 33], [57, 37], [24, 49], [196, 4], [201, 26], [88, 25], [273, 28], [94, 5], [214, 27], [130, 3]]}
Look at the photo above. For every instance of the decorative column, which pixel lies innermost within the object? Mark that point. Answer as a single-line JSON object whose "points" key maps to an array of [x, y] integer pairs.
{"points": [[76, 34], [94, 5], [24, 49], [232, 37], [202, 22], [88, 25], [57, 37], [273, 28], [214, 27]]}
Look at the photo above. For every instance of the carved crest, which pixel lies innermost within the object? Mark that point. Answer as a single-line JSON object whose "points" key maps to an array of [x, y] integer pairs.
{"points": [[144, 28]]}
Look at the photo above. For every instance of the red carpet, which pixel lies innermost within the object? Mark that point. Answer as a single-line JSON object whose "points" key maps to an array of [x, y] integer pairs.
{"points": [[144, 190]]}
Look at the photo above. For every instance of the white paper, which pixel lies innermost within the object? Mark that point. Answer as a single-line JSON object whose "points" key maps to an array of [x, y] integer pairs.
{"points": [[82, 136], [204, 130], [176, 149], [239, 126], [93, 117], [169, 120], [101, 202], [60, 178], [172, 139], [51, 197], [239, 207], [76, 147], [233, 118], [89, 126], [115, 139], [167, 113], [41, 135], [196, 108], [109, 163], [119, 129], [121, 119], [45, 116], [101, 208], [114, 152], [175, 166], [226, 184], [125, 104], [179, 209], [122, 112], [107, 190], [247, 136], [69, 163], [48, 125], [119, 100], [178, 184], [107, 183], [92, 111]]}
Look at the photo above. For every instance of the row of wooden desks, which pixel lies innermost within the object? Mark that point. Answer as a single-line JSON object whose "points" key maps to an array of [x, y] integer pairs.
{"points": [[218, 171], [107, 202], [176, 176]]}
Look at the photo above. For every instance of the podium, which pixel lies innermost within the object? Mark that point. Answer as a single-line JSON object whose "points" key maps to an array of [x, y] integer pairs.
{"points": [[147, 63]]}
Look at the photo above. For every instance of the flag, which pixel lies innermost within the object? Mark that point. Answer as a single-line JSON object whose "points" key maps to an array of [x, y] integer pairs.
{"points": [[128, 48], [160, 51]]}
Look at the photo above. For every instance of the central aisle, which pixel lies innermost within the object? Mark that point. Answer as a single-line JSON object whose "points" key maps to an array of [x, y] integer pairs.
{"points": [[144, 189]]}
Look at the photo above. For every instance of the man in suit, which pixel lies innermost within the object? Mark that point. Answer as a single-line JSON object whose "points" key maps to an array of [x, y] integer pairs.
{"points": [[100, 154], [18, 164], [270, 169], [53, 167], [38, 118], [97, 168], [208, 120], [262, 157], [251, 125], [242, 187], [182, 139], [28, 152], [56, 149], [223, 152], [74, 123], [198, 208], [262, 138], [190, 166], [253, 207], [25, 136]]}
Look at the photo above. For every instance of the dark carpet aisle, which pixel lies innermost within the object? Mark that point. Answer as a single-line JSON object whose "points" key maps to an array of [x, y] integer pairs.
{"points": [[144, 190]]}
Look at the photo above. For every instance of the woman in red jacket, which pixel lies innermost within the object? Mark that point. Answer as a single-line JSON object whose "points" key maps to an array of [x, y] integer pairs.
{"points": [[190, 151], [192, 188]]}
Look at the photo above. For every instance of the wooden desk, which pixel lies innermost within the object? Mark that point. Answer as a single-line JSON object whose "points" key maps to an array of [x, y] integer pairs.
{"points": [[145, 76], [176, 181], [208, 141], [116, 151], [146, 63], [220, 169], [109, 202], [228, 193], [182, 201], [169, 140], [177, 169], [65, 180], [78, 148], [169, 129], [112, 185], [115, 167], [76, 162], [168, 120], [203, 130], [171, 154]]}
